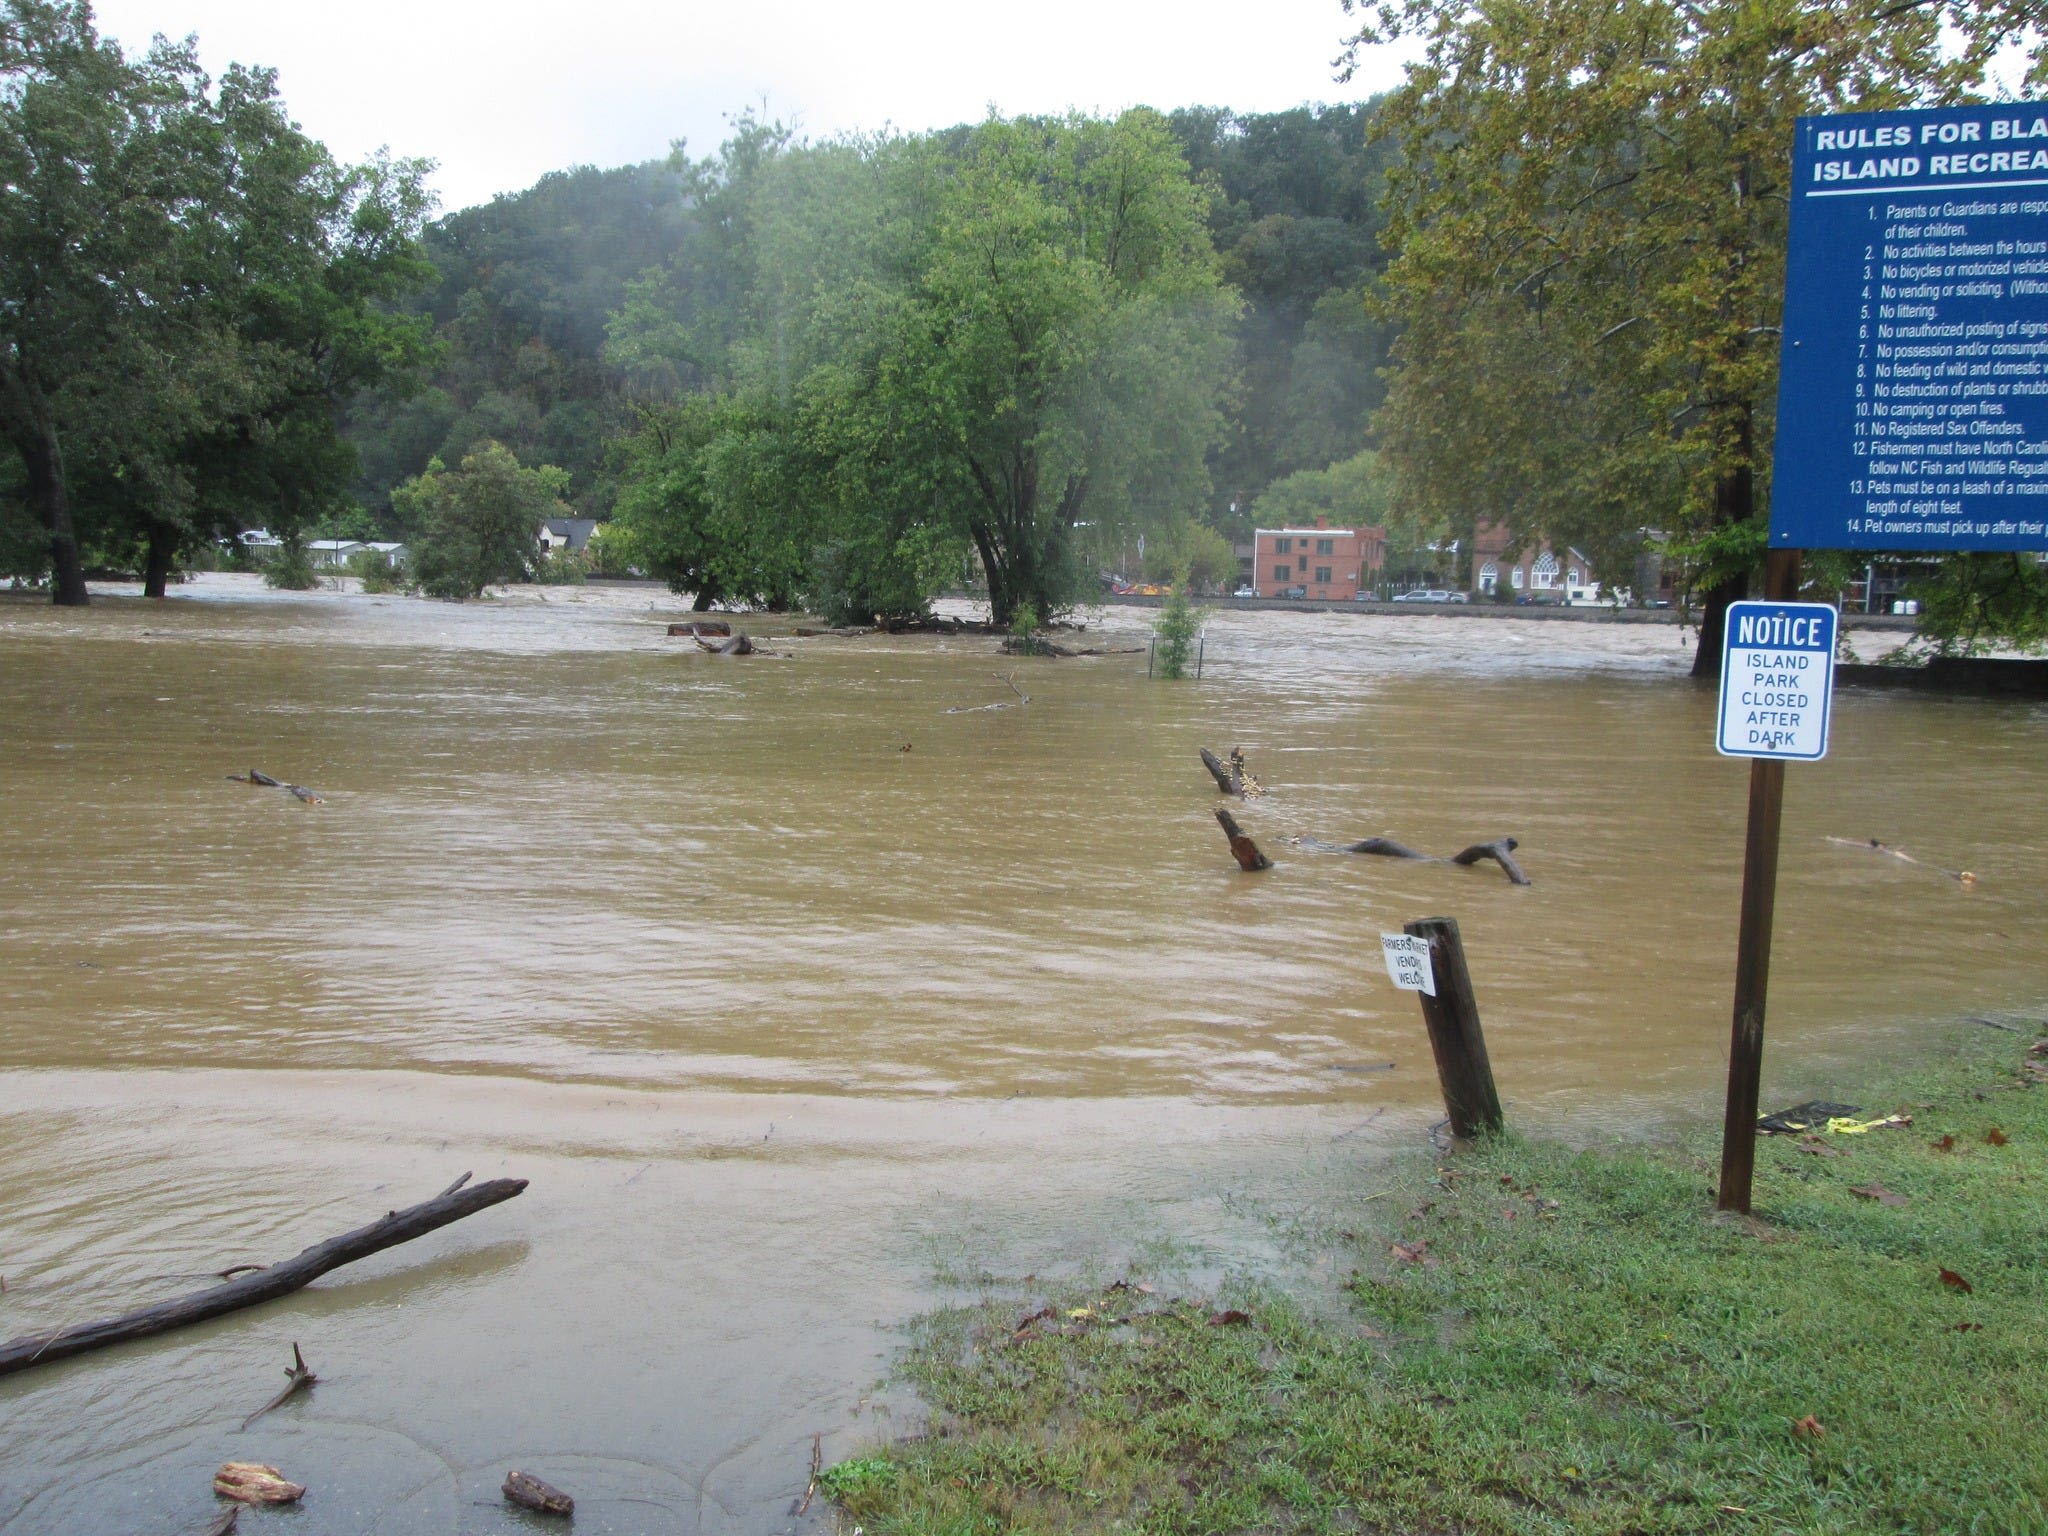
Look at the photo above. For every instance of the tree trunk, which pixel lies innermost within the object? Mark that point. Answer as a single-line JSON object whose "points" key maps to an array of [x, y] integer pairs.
{"points": [[163, 549], [52, 503], [1734, 502]]}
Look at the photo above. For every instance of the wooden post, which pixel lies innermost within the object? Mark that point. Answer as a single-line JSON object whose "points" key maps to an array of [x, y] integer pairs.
{"points": [[1753, 941], [1454, 1034]]}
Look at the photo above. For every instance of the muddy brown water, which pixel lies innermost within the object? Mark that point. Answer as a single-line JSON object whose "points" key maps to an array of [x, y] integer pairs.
{"points": [[806, 1004]]}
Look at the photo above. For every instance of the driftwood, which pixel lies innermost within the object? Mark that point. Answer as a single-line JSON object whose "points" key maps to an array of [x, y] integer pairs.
{"points": [[1501, 850], [298, 1375], [975, 709], [1233, 779], [251, 1482], [696, 629], [841, 632], [1962, 877], [264, 1285], [1035, 645], [542, 1498], [737, 645], [1247, 851], [257, 776]]}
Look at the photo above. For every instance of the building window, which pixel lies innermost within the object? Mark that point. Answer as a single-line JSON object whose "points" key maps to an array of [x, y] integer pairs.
{"points": [[1323, 574], [1283, 546], [1489, 578], [1516, 579], [1326, 546], [1545, 574], [1283, 572]]}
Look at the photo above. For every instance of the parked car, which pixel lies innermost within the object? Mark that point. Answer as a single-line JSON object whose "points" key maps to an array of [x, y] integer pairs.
{"points": [[1245, 592], [1296, 591], [1430, 595], [1362, 596]]}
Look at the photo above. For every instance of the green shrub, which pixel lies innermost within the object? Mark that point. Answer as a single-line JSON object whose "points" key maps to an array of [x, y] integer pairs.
{"points": [[376, 573], [290, 569], [1178, 628]]}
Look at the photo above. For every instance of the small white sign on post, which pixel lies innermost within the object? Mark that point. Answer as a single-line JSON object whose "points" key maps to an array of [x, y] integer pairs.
{"points": [[1777, 680], [1408, 962]]}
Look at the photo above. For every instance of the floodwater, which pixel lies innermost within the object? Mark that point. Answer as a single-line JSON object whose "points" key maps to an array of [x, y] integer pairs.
{"points": [[807, 992]]}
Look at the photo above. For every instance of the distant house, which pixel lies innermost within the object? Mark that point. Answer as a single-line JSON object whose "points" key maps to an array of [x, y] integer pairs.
{"points": [[566, 533], [1537, 571], [329, 553], [259, 541], [1331, 564]]}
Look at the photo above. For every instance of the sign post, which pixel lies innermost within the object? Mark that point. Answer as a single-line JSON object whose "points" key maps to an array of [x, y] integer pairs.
{"points": [[1912, 415], [1777, 692]]}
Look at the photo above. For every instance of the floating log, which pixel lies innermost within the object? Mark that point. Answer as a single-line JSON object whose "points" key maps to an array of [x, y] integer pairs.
{"points": [[1962, 877], [264, 1285], [1248, 855], [975, 709], [1501, 850], [298, 1375], [542, 1498], [696, 629], [842, 632], [251, 1482], [257, 776]]}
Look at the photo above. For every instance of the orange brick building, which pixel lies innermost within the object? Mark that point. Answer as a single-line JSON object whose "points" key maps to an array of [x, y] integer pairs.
{"points": [[1332, 564]]}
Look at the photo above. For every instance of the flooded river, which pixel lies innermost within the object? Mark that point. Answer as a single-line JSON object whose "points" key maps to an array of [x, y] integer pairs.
{"points": [[806, 992]]}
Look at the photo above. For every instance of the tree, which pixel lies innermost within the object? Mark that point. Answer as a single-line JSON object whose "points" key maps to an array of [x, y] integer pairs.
{"points": [[979, 338], [1589, 211], [478, 525], [187, 286]]}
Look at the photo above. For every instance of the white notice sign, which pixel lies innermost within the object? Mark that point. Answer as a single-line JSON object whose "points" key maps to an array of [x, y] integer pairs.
{"points": [[1408, 962], [1777, 680]]}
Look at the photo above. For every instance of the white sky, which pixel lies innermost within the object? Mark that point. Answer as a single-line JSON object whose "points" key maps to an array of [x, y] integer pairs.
{"points": [[500, 93]]}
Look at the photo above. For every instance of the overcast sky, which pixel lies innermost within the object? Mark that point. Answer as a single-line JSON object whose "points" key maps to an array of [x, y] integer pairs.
{"points": [[500, 93]]}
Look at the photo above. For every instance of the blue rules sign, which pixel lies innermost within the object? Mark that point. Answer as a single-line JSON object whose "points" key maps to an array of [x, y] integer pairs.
{"points": [[1777, 680], [1913, 375]]}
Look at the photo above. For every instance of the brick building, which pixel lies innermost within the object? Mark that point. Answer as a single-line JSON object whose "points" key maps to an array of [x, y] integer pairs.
{"points": [[1332, 564]]}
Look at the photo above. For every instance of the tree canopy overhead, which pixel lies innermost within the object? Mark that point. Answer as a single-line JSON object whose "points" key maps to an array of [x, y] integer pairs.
{"points": [[1589, 216]]}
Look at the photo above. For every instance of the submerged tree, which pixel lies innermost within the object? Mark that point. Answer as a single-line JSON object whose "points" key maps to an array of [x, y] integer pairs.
{"points": [[1590, 216], [977, 339], [478, 525]]}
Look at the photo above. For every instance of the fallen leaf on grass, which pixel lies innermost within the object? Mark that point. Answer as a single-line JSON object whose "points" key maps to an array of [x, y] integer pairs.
{"points": [[2038, 1048], [1878, 1193], [1946, 1144], [1809, 1428], [1995, 1137], [1080, 1312], [1414, 1253], [1230, 1319], [1956, 1282], [1819, 1148], [1967, 1328]]}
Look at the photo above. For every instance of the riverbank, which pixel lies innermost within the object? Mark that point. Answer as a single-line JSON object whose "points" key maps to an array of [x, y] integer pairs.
{"points": [[1537, 1339]]}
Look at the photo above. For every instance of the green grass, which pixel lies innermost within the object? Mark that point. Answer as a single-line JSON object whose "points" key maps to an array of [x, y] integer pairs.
{"points": [[1620, 1361]]}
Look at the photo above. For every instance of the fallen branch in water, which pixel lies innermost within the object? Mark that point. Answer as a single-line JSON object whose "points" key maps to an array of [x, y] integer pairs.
{"points": [[264, 1285], [257, 776], [298, 1375], [697, 629], [1001, 677], [1501, 850], [1962, 877], [735, 645], [1248, 856], [817, 1465], [1234, 779]]}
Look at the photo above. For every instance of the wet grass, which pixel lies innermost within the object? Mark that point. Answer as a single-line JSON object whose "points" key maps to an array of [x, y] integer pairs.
{"points": [[1551, 1341]]}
